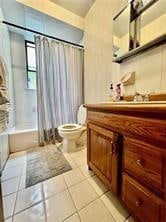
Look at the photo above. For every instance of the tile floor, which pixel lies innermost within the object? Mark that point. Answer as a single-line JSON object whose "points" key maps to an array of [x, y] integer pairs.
{"points": [[75, 196]]}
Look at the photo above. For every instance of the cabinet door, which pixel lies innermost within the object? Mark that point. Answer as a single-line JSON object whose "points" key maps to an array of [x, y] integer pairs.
{"points": [[103, 153]]}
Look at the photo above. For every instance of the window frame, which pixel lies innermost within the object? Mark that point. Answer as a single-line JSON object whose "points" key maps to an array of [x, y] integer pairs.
{"points": [[27, 67]]}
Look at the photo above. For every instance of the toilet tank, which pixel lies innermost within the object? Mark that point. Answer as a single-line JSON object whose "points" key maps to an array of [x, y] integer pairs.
{"points": [[81, 115]]}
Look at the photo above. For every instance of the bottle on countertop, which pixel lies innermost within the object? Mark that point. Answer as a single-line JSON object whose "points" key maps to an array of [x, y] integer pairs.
{"points": [[118, 92], [111, 93]]}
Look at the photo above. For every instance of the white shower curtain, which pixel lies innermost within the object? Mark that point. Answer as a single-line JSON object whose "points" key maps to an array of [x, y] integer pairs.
{"points": [[59, 86]]}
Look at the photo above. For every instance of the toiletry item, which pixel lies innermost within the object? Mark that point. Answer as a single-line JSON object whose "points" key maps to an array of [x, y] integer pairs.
{"points": [[118, 92], [111, 94]]}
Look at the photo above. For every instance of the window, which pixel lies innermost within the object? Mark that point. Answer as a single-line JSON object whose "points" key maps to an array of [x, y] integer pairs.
{"points": [[31, 64]]}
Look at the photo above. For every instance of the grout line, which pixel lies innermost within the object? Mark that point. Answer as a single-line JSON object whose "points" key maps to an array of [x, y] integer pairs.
{"points": [[15, 200], [6, 168], [11, 178], [28, 208], [77, 210], [13, 191], [44, 204]]}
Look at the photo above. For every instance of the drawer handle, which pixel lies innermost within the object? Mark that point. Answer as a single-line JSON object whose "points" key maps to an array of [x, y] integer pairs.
{"points": [[140, 162], [138, 203]]}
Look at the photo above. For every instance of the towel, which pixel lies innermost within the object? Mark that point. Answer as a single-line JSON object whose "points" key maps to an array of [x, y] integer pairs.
{"points": [[4, 116], [4, 98], [3, 86]]}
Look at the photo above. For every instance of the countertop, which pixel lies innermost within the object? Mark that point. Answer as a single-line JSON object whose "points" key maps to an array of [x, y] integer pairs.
{"points": [[158, 107]]}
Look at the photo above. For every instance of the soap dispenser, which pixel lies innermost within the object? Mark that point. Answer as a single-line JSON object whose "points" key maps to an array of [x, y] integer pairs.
{"points": [[111, 94]]}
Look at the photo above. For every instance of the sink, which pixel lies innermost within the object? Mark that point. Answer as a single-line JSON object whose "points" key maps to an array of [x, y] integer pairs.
{"points": [[135, 103]]}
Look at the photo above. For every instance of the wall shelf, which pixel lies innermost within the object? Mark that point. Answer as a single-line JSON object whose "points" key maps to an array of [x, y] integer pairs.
{"points": [[133, 53]]}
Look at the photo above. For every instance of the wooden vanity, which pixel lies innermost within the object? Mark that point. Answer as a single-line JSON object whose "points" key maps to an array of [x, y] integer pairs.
{"points": [[127, 150]]}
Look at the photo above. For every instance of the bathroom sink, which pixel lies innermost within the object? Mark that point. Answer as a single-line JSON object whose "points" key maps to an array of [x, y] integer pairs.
{"points": [[135, 103]]}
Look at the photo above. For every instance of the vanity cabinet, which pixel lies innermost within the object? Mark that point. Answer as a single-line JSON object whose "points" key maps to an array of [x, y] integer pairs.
{"points": [[103, 154], [127, 151]]}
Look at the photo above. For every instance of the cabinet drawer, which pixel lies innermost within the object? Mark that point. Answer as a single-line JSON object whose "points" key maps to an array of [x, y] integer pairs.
{"points": [[143, 203], [144, 162]]}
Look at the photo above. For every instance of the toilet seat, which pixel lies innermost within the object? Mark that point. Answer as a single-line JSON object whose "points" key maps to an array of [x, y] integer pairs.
{"points": [[69, 127]]}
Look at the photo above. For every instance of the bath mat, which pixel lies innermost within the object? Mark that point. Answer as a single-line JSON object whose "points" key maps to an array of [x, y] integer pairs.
{"points": [[44, 163]]}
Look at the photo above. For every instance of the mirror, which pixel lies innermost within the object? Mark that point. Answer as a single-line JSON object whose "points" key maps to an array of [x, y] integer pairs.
{"points": [[153, 22], [121, 33], [138, 27]]}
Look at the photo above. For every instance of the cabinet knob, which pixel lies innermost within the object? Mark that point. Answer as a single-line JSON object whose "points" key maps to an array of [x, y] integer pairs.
{"points": [[138, 203], [140, 162]]}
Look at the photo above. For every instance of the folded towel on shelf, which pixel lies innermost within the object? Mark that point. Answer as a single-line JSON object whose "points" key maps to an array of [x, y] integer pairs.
{"points": [[4, 98], [3, 82], [4, 117]]}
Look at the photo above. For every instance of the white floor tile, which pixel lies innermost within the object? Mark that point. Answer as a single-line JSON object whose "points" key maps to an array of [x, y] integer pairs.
{"points": [[54, 186], [22, 184], [33, 214], [115, 207], [15, 162], [98, 185], [10, 186], [70, 160], [73, 176], [85, 171], [73, 218], [24, 168], [75, 155], [82, 194], [12, 172], [59, 207], [28, 197], [96, 211], [8, 204], [9, 220], [82, 159]]}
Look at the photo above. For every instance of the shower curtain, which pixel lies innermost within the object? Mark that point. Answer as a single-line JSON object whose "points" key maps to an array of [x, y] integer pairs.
{"points": [[59, 86]]}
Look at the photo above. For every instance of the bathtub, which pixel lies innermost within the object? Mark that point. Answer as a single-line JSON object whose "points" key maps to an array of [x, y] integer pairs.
{"points": [[23, 137]]}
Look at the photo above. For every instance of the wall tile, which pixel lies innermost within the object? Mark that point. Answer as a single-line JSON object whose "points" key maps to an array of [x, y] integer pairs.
{"points": [[151, 61], [149, 67]]}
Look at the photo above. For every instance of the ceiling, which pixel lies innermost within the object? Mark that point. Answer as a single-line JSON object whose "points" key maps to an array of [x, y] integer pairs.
{"points": [[79, 7]]}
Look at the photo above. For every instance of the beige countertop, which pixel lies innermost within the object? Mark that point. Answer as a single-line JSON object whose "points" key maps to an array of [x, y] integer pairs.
{"points": [[151, 106]]}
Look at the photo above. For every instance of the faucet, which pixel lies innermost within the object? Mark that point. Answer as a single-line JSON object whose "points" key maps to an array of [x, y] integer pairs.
{"points": [[146, 98], [138, 97]]}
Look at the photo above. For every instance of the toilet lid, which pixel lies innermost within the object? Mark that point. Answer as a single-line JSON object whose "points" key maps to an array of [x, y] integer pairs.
{"points": [[81, 115]]}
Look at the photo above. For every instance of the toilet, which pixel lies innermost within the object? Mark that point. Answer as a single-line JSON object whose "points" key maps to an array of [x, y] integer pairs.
{"points": [[72, 132]]}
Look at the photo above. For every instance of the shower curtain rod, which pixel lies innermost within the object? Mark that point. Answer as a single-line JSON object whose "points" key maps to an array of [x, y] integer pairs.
{"points": [[40, 33]]}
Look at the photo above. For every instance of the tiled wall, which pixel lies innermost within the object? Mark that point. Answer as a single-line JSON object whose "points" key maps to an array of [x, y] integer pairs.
{"points": [[25, 99], [98, 49], [5, 53], [150, 67]]}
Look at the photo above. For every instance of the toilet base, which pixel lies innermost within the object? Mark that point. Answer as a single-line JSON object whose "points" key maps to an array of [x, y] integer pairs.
{"points": [[69, 146]]}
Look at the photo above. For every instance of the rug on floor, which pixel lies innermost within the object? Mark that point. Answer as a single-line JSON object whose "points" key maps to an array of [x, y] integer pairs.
{"points": [[44, 163]]}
